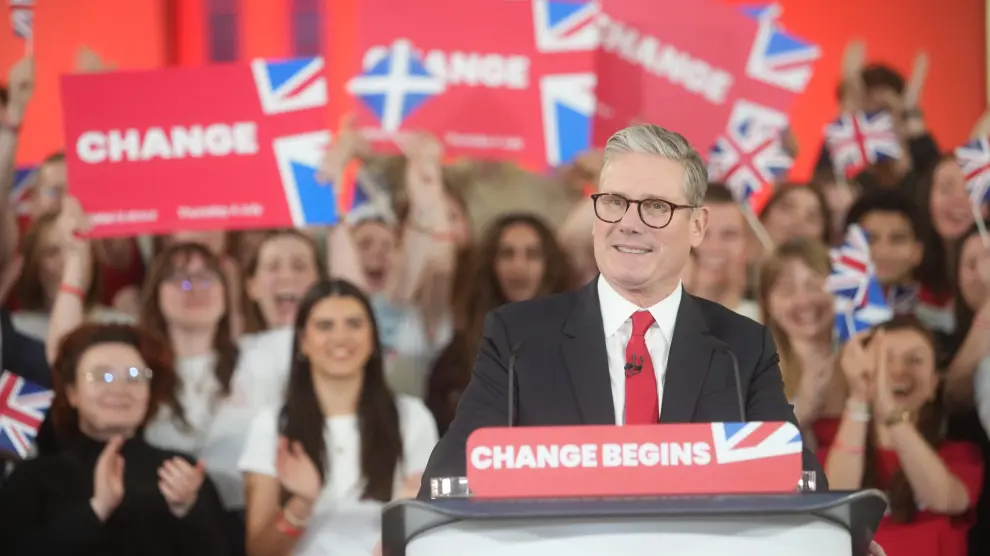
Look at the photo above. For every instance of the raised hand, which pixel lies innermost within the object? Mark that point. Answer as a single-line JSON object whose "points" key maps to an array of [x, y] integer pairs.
{"points": [[815, 381], [179, 483], [916, 84], [72, 226], [884, 403], [858, 365], [108, 479], [345, 145], [296, 471], [21, 87], [424, 168]]}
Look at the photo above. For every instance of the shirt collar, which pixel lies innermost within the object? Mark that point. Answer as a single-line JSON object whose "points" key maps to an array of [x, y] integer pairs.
{"points": [[616, 309]]}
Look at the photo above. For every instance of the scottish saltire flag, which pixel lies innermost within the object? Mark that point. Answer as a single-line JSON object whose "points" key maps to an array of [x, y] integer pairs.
{"points": [[311, 202], [778, 57], [748, 158], [736, 442], [20, 194], [974, 157], [568, 105], [23, 405], [857, 140], [22, 18], [860, 303], [565, 25], [395, 85], [290, 85]]}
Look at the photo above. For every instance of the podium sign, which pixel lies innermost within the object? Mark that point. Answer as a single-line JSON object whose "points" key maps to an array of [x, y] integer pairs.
{"points": [[650, 460]]}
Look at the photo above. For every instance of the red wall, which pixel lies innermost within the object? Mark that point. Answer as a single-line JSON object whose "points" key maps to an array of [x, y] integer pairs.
{"points": [[151, 33]]}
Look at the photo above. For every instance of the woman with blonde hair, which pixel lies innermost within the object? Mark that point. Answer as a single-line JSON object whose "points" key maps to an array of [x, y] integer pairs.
{"points": [[800, 314]]}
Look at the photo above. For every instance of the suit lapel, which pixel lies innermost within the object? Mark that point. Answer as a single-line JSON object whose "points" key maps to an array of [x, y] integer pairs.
{"points": [[690, 355], [587, 360]]}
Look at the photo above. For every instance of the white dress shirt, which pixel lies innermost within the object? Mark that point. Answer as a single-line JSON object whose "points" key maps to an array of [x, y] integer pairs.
{"points": [[617, 314]]}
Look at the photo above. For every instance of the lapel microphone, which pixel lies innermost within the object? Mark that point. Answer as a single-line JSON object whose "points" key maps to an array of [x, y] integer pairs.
{"points": [[511, 371], [632, 367]]}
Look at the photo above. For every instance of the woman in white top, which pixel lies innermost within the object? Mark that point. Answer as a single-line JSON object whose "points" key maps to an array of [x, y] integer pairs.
{"points": [[319, 466]]}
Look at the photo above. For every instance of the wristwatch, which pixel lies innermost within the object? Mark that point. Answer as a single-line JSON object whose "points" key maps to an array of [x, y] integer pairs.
{"points": [[897, 416]]}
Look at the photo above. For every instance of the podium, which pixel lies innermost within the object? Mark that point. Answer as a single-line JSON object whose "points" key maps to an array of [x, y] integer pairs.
{"points": [[809, 524]]}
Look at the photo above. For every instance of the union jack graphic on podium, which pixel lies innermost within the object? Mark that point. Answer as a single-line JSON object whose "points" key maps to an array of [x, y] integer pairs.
{"points": [[395, 85], [974, 157], [290, 85], [747, 158], [23, 405], [779, 58], [565, 25], [859, 299], [737, 442], [857, 140]]}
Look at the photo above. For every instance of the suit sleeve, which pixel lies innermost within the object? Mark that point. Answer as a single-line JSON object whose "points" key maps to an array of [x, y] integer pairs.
{"points": [[483, 404], [765, 400]]}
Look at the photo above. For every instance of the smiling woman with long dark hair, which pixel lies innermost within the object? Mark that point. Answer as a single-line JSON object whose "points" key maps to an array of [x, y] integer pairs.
{"points": [[319, 467], [518, 259]]}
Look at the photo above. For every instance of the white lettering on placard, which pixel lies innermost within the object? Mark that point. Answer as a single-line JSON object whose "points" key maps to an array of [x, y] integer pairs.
{"points": [[542, 456], [665, 60], [648, 454], [468, 69], [473, 69], [117, 145]]}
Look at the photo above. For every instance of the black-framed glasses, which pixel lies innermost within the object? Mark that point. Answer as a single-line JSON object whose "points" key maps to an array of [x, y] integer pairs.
{"points": [[655, 213]]}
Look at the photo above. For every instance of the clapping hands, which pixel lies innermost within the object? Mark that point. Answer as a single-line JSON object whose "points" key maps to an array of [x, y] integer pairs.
{"points": [[179, 482]]}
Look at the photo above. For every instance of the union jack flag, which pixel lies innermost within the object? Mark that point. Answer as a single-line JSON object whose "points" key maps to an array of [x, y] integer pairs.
{"points": [[778, 57], [565, 25], [290, 85], [859, 298], [20, 194], [23, 405], [736, 442], [22, 18], [903, 300], [974, 157], [747, 158], [857, 140]]}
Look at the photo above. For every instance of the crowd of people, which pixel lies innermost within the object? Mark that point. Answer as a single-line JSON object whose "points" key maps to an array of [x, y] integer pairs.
{"points": [[265, 392]]}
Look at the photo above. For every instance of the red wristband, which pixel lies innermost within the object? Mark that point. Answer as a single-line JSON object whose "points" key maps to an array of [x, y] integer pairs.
{"points": [[284, 526], [70, 289]]}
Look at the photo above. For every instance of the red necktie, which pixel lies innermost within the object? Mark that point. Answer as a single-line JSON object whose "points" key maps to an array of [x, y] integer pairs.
{"points": [[642, 404]]}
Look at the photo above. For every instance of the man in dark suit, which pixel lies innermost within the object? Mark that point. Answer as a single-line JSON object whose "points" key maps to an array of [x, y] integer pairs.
{"points": [[631, 347]]}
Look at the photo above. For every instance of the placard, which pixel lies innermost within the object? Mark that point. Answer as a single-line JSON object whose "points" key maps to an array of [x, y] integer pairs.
{"points": [[224, 146], [697, 458]]}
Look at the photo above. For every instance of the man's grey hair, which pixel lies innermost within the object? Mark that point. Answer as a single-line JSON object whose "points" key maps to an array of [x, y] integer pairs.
{"points": [[652, 139]]}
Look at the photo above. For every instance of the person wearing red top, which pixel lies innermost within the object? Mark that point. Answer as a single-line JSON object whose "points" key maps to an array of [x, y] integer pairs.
{"points": [[890, 438]]}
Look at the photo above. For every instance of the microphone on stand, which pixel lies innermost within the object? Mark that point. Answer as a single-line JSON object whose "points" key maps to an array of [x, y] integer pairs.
{"points": [[513, 355], [740, 399]]}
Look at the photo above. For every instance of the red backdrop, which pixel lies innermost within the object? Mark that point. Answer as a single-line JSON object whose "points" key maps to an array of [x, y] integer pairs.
{"points": [[152, 33]]}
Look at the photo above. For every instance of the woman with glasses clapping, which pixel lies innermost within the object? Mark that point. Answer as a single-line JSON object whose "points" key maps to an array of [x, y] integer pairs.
{"points": [[108, 491]]}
